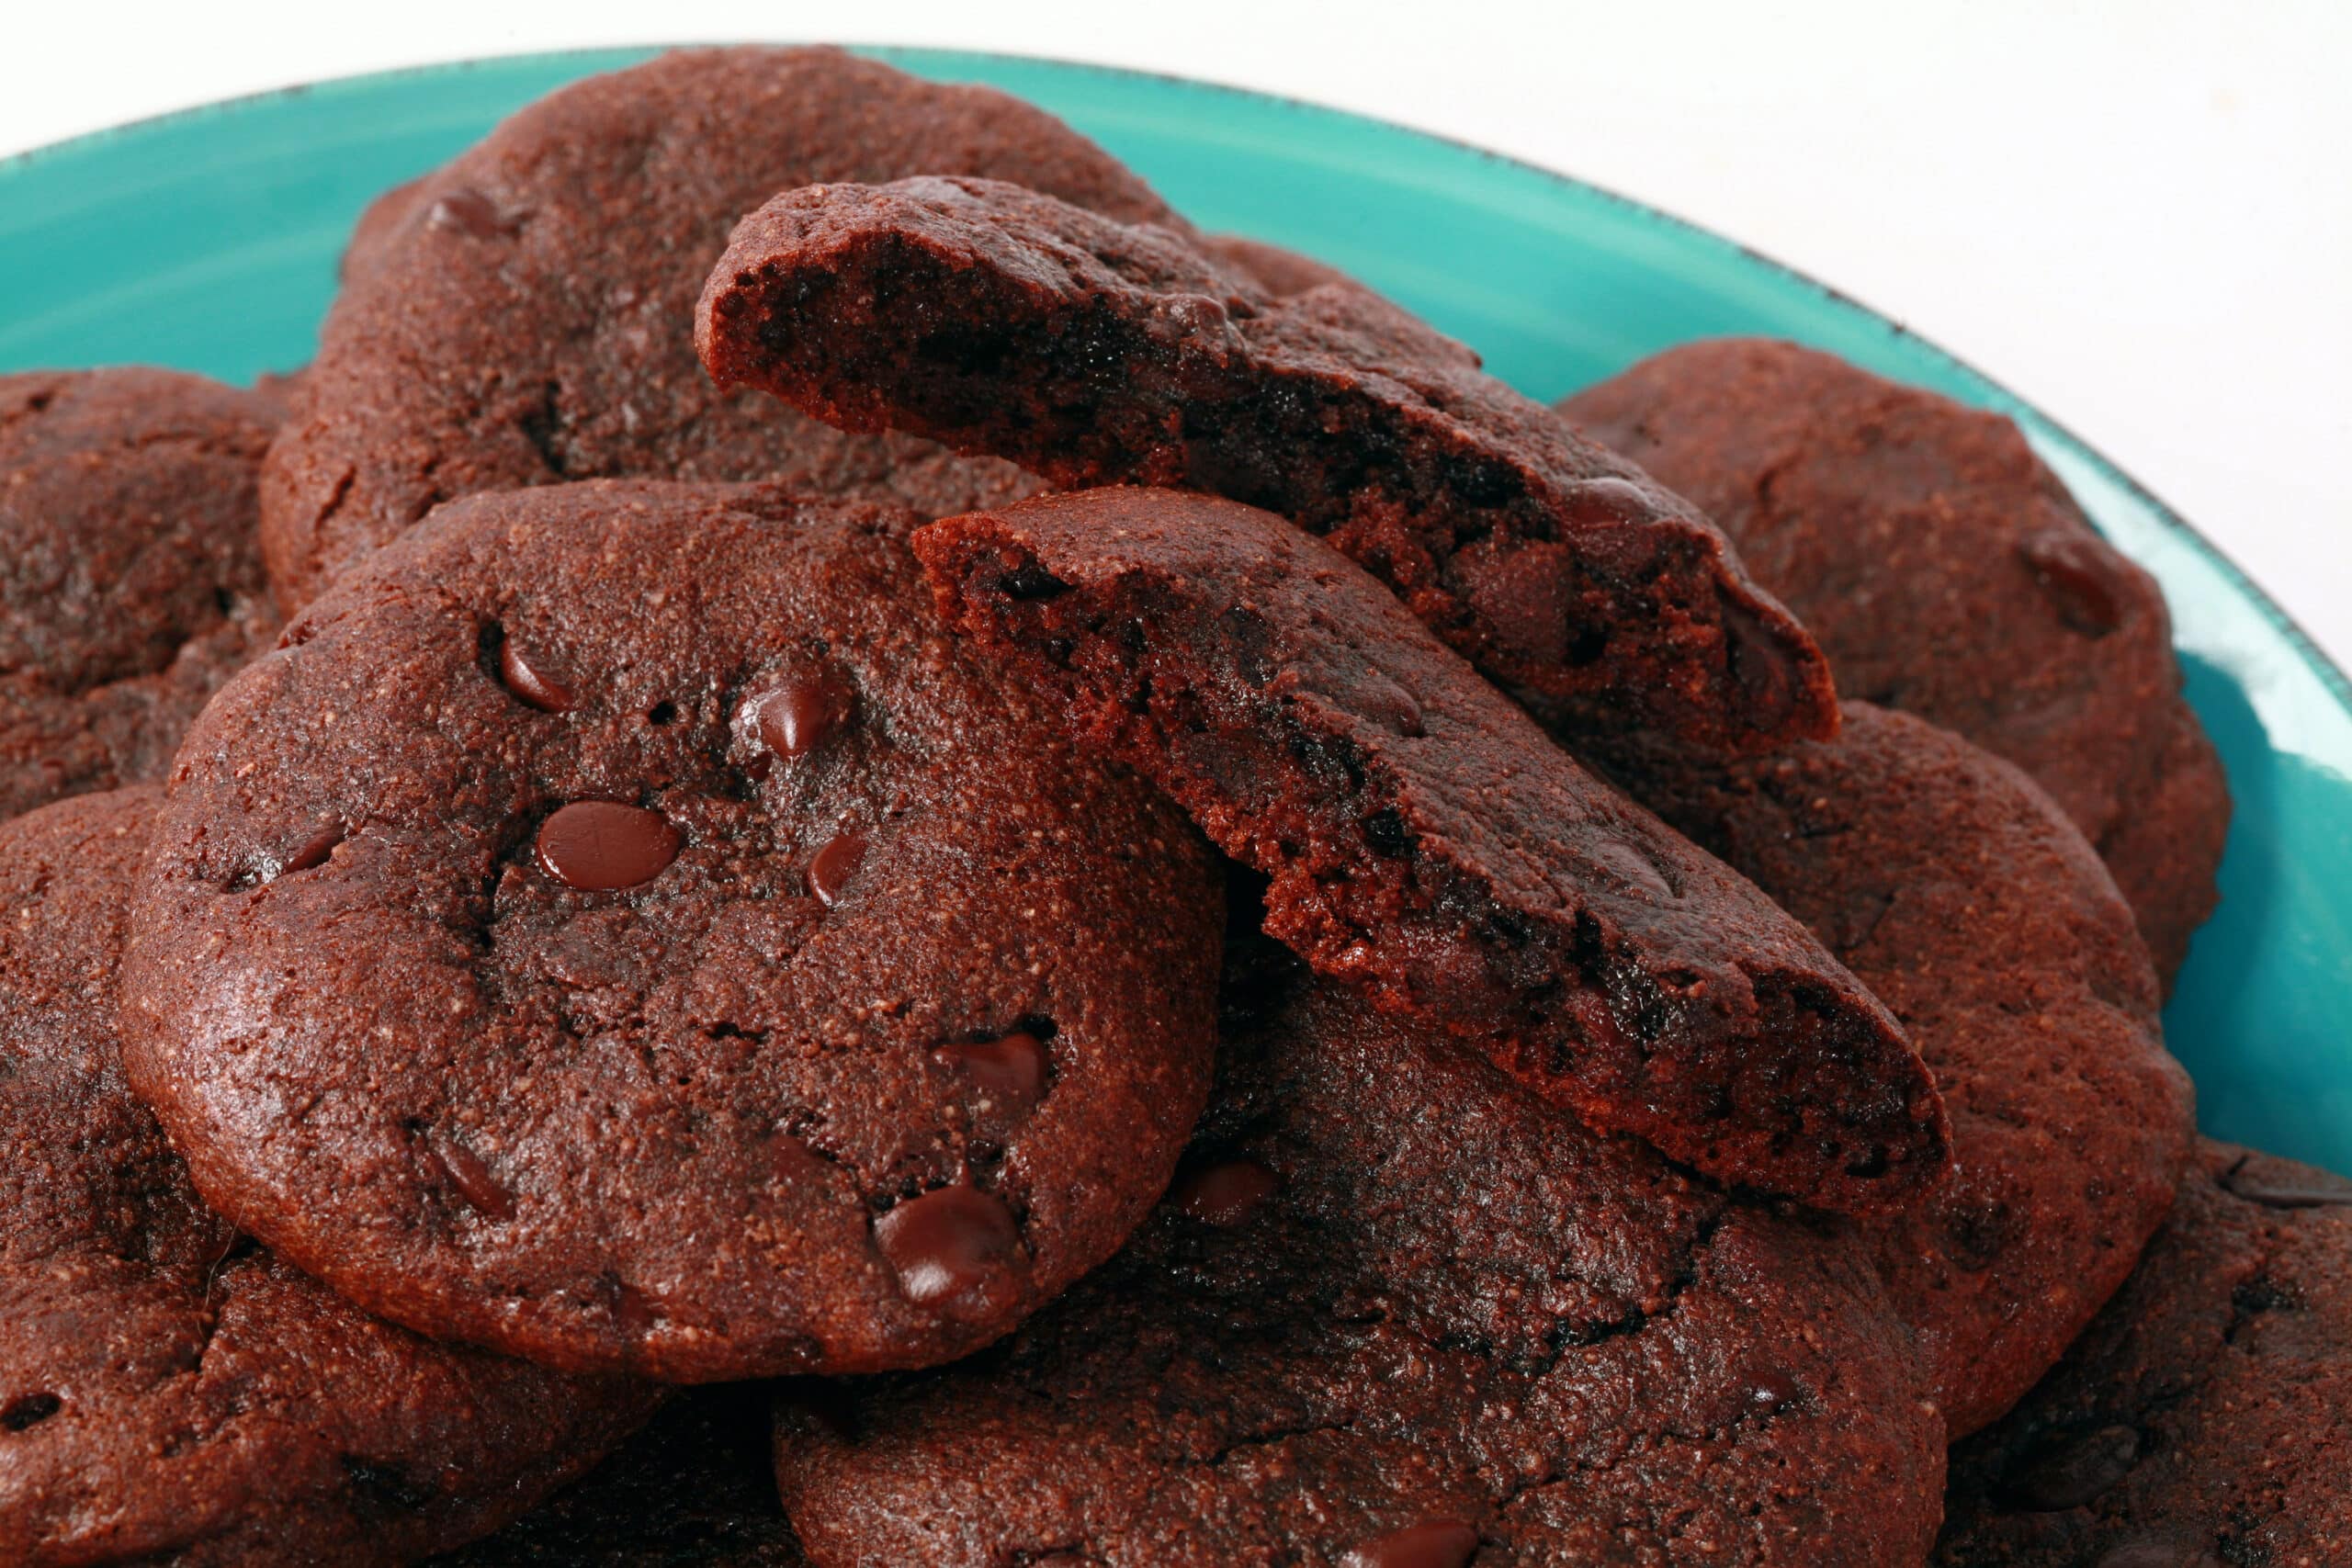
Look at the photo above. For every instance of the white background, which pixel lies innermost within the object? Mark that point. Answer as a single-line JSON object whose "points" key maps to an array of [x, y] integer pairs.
{"points": [[2138, 213]]}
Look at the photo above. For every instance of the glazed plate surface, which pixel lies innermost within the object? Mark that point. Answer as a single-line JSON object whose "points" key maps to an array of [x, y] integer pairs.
{"points": [[208, 241]]}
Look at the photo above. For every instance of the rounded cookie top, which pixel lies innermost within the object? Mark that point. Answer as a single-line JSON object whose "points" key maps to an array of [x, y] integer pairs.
{"points": [[1396, 1310], [526, 315], [130, 584], [621, 927], [169, 1390], [1946, 573], [2205, 1419], [1958, 892]]}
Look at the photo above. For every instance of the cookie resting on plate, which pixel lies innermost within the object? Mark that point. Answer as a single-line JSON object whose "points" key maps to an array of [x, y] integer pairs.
{"points": [[526, 314], [1947, 572]]}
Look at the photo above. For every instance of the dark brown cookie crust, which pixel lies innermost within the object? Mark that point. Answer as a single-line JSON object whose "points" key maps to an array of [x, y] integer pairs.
{"points": [[1395, 1293], [130, 584], [526, 315], [1003, 322], [1958, 892], [1429, 846], [714, 1074], [168, 1392], [1947, 572], [694, 1489], [2205, 1420]]}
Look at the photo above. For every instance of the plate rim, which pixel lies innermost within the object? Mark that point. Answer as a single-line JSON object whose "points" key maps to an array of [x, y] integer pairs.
{"points": [[2331, 675]]}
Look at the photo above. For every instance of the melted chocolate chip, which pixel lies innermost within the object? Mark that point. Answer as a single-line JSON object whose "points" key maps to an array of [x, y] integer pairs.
{"points": [[1772, 1392], [794, 718], [947, 1247], [1010, 1072], [1633, 868], [600, 845], [533, 682], [829, 872], [2079, 580], [468, 211], [315, 850], [470, 1175], [1225, 1195], [2073, 1470], [1432, 1543]]}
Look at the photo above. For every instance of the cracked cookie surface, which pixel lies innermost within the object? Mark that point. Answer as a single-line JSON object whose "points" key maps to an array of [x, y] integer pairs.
{"points": [[130, 581], [1958, 892], [2205, 1419], [526, 314], [1095, 351], [1396, 1310], [168, 1392], [623, 927], [1947, 572], [1431, 847]]}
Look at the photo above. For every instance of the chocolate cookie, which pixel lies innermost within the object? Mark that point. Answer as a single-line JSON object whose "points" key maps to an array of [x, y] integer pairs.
{"points": [[622, 928], [1398, 1311], [169, 1393], [694, 1489], [131, 585], [1959, 895], [1281, 272], [525, 316], [1091, 351], [2205, 1420], [1428, 845], [1947, 572]]}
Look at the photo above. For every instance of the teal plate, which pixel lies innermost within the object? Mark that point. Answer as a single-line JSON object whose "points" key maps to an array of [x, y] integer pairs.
{"points": [[208, 240]]}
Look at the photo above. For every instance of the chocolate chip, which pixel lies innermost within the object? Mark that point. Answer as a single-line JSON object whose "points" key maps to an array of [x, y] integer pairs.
{"points": [[600, 845], [468, 211], [794, 719], [1029, 582], [1010, 1071], [948, 1246], [829, 872], [1634, 868], [532, 680], [2079, 578], [1432, 1543], [2073, 1469], [1225, 1195], [1772, 1392], [470, 1175]]}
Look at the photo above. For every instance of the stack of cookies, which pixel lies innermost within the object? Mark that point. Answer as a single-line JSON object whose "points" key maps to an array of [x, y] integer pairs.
{"points": [[840, 849]]}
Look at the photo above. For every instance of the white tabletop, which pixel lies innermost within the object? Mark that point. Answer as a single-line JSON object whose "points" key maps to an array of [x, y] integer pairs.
{"points": [[2137, 213]]}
